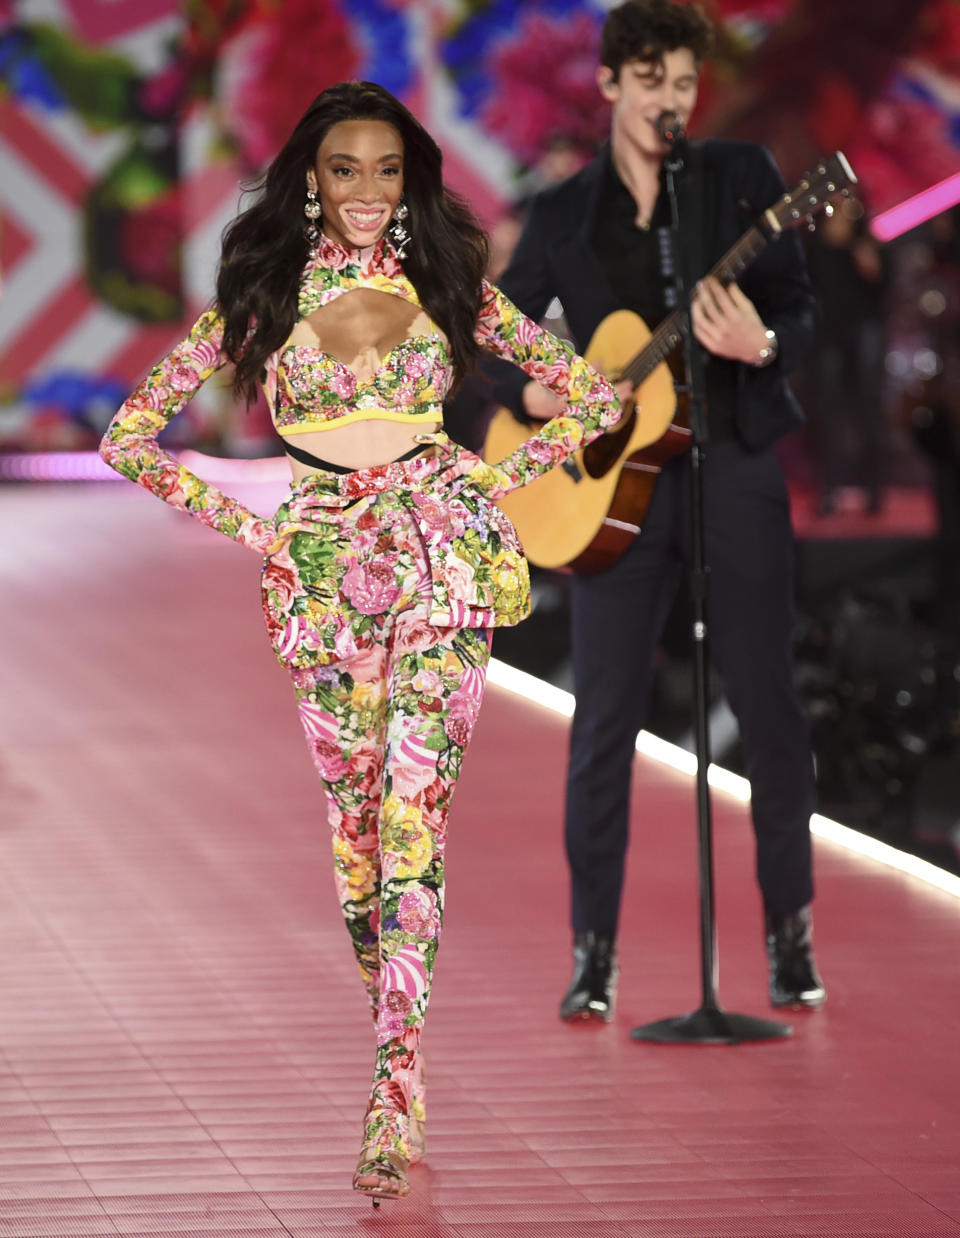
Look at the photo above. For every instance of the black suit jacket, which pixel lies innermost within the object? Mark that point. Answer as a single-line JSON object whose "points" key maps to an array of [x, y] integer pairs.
{"points": [[724, 187]]}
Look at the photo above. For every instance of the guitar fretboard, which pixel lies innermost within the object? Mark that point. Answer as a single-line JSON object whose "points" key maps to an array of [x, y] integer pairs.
{"points": [[670, 332]]}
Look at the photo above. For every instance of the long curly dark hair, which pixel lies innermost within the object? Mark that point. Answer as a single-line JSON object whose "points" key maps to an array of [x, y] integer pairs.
{"points": [[265, 248]]}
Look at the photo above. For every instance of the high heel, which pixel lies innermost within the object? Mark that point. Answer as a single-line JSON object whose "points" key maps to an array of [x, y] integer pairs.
{"points": [[382, 1176], [384, 1156]]}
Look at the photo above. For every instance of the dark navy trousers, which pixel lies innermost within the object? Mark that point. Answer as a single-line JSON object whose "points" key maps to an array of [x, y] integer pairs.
{"points": [[617, 620]]}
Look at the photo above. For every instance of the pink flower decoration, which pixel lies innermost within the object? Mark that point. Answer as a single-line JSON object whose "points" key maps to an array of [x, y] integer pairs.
{"points": [[282, 579], [413, 634], [343, 382], [458, 731], [544, 86], [428, 682], [767, 12], [182, 377], [542, 452], [411, 779], [332, 255], [416, 365], [150, 237], [458, 576], [368, 666], [418, 913], [275, 65], [328, 760], [371, 587], [432, 513], [942, 46], [906, 147], [394, 1008]]}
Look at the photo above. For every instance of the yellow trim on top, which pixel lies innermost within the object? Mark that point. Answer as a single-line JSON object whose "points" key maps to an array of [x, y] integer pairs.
{"points": [[361, 414]]}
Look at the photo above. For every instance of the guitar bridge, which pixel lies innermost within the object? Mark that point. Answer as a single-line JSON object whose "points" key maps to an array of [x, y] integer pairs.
{"points": [[572, 469]]}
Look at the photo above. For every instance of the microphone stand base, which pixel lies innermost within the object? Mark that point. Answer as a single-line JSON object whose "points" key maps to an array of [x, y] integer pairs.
{"points": [[710, 1026]]}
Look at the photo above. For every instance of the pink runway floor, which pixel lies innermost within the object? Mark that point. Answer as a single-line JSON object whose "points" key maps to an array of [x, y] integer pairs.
{"points": [[184, 1045]]}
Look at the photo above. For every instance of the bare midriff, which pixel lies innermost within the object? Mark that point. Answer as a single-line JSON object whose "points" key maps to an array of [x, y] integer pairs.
{"points": [[360, 444], [360, 329]]}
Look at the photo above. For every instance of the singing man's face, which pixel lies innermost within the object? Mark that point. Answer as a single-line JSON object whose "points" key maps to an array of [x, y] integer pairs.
{"points": [[646, 88]]}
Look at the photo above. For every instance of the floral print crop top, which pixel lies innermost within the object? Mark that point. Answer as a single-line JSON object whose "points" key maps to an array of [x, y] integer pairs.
{"points": [[308, 389]]}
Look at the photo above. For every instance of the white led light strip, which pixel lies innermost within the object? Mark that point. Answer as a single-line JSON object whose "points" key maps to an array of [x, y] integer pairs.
{"points": [[561, 702]]}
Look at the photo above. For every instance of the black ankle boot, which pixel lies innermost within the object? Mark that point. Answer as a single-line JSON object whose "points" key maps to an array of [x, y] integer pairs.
{"points": [[593, 989], [794, 980]]}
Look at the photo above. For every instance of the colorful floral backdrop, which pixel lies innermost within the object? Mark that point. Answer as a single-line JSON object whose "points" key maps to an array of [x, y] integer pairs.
{"points": [[127, 125]]}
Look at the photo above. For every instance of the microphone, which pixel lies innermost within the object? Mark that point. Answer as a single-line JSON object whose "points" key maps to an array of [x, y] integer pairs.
{"points": [[670, 127]]}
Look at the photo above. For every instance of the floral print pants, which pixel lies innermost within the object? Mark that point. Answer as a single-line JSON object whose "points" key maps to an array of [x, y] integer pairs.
{"points": [[387, 727]]}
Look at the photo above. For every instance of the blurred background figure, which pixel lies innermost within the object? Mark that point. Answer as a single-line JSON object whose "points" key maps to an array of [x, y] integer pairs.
{"points": [[924, 368], [845, 409]]}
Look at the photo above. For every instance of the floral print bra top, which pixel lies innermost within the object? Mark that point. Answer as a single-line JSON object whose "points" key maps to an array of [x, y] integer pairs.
{"points": [[310, 389]]}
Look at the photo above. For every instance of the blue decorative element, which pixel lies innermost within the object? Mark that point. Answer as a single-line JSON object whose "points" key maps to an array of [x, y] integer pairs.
{"points": [[466, 52], [26, 77], [74, 394], [912, 88], [908, 87], [385, 34]]}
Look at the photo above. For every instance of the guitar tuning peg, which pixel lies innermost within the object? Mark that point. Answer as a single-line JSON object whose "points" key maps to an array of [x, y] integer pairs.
{"points": [[811, 224], [829, 210]]}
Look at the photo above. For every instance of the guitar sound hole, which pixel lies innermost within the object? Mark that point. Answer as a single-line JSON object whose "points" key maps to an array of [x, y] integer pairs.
{"points": [[600, 456]]}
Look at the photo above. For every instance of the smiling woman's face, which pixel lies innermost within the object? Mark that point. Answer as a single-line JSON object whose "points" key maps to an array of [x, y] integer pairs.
{"points": [[358, 177]]}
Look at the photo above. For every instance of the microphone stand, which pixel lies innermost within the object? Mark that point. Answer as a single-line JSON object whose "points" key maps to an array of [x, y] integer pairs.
{"points": [[710, 1024]]}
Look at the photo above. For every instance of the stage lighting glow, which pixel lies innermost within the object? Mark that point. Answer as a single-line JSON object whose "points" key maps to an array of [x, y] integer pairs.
{"points": [[55, 466], [916, 210], [533, 689], [87, 466], [520, 683]]}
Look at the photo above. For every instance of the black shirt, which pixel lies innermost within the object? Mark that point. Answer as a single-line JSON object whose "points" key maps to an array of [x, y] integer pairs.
{"points": [[630, 258]]}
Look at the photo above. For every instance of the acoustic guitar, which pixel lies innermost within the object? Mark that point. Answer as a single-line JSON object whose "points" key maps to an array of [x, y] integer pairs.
{"points": [[584, 514]]}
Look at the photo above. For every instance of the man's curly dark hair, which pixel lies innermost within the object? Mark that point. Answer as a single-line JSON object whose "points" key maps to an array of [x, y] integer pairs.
{"points": [[646, 29]]}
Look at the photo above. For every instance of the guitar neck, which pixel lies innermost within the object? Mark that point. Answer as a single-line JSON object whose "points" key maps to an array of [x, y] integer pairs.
{"points": [[669, 333]]}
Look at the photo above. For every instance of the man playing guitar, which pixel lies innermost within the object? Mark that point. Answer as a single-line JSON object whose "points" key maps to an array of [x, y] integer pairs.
{"points": [[592, 242]]}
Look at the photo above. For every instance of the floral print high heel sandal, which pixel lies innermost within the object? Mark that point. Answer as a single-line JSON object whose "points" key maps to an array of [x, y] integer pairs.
{"points": [[384, 1157]]}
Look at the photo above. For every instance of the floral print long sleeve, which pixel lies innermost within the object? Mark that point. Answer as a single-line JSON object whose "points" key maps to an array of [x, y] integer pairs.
{"points": [[130, 444], [592, 405]]}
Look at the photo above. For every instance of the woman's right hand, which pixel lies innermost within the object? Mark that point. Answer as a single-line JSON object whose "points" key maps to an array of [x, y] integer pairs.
{"points": [[541, 404]]}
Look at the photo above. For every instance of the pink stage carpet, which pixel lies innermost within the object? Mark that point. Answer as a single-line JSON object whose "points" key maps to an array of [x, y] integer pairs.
{"points": [[184, 1047]]}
